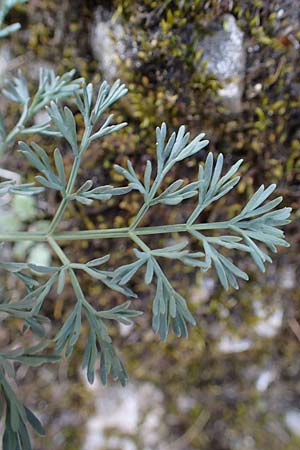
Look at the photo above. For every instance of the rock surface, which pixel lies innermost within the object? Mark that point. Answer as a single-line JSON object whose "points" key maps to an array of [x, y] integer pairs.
{"points": [[135, 414], [225, 55], [107, 43]]}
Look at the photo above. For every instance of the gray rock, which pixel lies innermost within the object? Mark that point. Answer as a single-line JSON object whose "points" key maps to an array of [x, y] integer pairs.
{"points": [[233, 344], [292, 421], [203, 289], [134, 414], [225, 55], [269, 322], [265, 378], [107, 43], [5, 56], [287, 277]]}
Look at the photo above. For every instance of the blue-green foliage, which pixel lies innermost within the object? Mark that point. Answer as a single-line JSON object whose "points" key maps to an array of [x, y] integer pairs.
{"points": [[257, 223]]}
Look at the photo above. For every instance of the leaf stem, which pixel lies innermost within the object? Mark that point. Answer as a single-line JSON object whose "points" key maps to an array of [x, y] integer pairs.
{"points": [[144, 209], [140, 216], [58, 250], [58, 215], [139, 242], [110, 233], [66, 199], [78, 292], [76, 286], [10, 139]]}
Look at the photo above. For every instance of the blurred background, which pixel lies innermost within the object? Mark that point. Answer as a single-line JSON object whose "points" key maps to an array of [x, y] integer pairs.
{"points": [[232, 70]]}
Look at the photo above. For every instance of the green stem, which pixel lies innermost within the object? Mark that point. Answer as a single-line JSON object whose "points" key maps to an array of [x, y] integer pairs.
{"points": [[159, 272], [147, 204], [57, 249], [76, 286], [12, 136], [58, 215], [73, 174], [65, 201], [139, 242], [79, 293], [110, 233], [139, 216], [23, 236]]}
